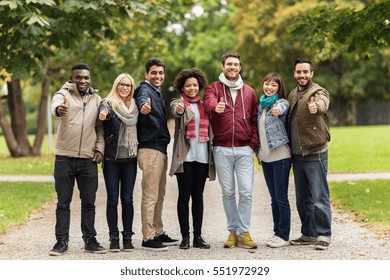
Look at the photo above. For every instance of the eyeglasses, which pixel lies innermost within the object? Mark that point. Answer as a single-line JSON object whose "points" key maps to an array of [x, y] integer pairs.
{"points": [[125, 85]]}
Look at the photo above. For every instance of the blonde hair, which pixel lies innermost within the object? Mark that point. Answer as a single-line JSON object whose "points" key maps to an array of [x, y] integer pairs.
{"points": [[113, 97]]}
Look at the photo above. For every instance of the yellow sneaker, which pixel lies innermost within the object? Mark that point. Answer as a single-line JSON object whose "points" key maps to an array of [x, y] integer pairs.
{"points": [[245, 241], [232, 240]]}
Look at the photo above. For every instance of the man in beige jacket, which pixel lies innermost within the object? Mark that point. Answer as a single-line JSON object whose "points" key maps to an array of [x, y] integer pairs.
{"points": [[79, 148]]}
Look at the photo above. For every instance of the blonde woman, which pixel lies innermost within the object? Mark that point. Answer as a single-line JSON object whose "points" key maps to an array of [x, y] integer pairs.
{"points": [[119, 114]]}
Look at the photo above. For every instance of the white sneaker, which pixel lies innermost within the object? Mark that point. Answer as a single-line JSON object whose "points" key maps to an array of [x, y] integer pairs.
{"points": [[277, 242], [272, 239]]}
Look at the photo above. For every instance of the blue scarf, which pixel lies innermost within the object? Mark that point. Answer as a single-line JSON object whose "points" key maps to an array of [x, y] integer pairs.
{"points": [[266, 102]]}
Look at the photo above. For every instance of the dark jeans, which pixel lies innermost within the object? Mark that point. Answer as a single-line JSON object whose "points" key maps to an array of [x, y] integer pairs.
{"points": [[84, 171], [276, 175], [313, 201], [191, 185], [120, 178]]}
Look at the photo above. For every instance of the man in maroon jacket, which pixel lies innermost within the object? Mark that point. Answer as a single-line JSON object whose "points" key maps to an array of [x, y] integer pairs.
{"points": [[232, 106]]}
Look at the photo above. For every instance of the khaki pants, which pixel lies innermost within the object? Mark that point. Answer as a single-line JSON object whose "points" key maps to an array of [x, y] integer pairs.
{"points": [[153, 163]]}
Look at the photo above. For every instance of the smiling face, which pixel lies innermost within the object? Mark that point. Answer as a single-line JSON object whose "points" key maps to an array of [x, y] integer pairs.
{"points": [[124, 88], [191, 87], [270, 87], [231, 69], [155, 76], [303, 74], [82, 79]]}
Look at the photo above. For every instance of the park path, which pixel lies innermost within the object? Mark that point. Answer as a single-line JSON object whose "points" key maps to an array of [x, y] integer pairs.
{"points": [[351, 240]]}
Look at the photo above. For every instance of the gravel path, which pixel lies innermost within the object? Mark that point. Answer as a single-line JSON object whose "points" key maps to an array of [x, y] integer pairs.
{"points": [[351, 241]]}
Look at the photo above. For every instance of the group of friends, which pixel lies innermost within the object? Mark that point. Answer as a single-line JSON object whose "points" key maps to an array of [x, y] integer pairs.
{"points": [[216, 137]]}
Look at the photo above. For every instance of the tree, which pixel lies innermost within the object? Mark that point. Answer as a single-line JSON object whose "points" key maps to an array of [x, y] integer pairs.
{"points": [[348, 31], [34, 31]]}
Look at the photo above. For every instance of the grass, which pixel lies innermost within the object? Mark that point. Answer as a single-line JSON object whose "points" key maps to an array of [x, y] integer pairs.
{"points": [[20, 199], [359, 149], [368, 201]]}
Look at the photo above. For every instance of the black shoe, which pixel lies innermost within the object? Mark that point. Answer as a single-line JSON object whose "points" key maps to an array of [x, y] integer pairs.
{"points": [[91, 245], [59, 248], [127, 244], [114, 242], [166, 240], [185, 243], [200, 243], [153, 245]]}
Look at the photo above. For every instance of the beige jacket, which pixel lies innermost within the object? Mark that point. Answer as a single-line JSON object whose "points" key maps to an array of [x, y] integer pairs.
{"points": [[80, 132]]}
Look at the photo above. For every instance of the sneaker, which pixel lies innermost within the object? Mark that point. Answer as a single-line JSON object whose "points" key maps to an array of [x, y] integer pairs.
{"points": [[92, 246], [153, 245], [277, 242], [166, 240], [245, 241], [321, 245], [232, 240], [59, 248], [301, 241]]}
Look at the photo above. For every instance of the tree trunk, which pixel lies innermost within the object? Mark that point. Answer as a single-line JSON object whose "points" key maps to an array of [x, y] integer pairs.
{"points": [[18, 117], [42, 112], [12, 145]]}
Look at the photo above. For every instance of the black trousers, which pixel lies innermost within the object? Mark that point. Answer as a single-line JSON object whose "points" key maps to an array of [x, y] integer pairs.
{"points": [[191, 185]]}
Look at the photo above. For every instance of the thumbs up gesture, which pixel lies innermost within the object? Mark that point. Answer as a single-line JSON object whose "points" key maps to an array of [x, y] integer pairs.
{"points": [[103, 114], [180, 106], [312, 106], [220, 106], [62, 109], [146, 108], [275, 109]]}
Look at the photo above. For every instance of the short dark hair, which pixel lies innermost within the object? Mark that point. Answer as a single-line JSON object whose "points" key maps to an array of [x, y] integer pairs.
{"points": [[304, 60], [187, 73], [154, 61], [230, 54], [80, 66]]}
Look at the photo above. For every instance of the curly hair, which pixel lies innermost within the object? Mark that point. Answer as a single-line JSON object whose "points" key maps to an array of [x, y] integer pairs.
{"points": [[187, 73]]}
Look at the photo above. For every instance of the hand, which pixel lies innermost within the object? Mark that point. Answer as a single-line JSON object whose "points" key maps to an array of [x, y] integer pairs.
{"points": [[312, 106], [62, 109], [146, 108], [97, 156], [276, 109], [220, 106], [180, 107], [103, 113]]}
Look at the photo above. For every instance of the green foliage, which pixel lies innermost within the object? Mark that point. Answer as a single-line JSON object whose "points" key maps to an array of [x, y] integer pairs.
{"points": [[20, 199], [368, 201], [353, 32]]}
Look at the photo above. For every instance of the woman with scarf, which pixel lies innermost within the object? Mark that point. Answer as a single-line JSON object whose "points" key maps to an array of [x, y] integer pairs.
{"points": [[191, 157], [119, 114], [274, 154]]}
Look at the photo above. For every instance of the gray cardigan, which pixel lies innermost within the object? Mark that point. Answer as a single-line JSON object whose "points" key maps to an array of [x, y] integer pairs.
{"points": [[181, 145]]}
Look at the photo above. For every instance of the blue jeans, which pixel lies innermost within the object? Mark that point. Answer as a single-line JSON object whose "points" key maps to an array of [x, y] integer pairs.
{"points": [[233, 163], [120, 178], [313, 201], [84, 171], [276, 175]]}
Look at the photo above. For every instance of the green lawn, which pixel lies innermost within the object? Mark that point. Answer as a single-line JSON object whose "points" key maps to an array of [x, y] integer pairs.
{"points": [[20, 199], [359, 149], [368, 201]]}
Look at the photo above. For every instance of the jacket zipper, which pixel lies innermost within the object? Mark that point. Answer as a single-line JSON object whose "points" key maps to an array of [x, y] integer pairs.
{"points": [[82, 125]]}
